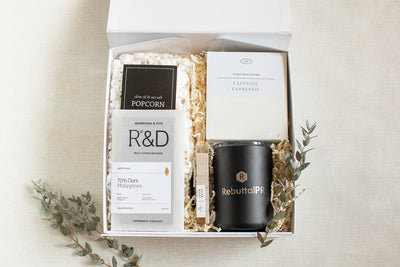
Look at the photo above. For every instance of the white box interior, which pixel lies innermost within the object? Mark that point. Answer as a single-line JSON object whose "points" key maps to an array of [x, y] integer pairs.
{"points": [[259, 26], [266, 23]]}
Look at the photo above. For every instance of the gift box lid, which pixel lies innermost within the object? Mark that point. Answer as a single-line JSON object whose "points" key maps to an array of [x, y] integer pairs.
{"points": [[263, 23]]}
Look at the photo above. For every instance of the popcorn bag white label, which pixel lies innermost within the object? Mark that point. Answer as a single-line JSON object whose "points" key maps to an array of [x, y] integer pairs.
{"points": [[141, 187]]}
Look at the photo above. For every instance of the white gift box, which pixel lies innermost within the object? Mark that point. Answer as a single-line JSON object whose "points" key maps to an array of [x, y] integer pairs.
{"points": [[251, 26]]}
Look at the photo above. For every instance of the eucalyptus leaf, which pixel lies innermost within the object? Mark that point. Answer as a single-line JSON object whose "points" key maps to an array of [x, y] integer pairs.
{"points": [[303, 159], [313, 128], [115, 244], [304, 132], [299, 146], [271, 224], [283, 197], [306, 141], [303, 166], [65, 231], [95, 257], [139, 259], [73, 245], [287, 157], [129, 252], [266, 243], [292, 164], [57, 207], [260, 237], [59, 218], [88, 196], [280, 215], [44, 204], [298, 155], [91, 226], [92, 209], [75, 208], [114, 262], [64, 203], [290, 176], [81, 253], [46, 188], [88, 247], [305, 151], [79, 201]]}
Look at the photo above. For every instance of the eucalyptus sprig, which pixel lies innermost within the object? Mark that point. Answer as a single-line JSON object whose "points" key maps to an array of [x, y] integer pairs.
{"points": [[75, 217], [294, 167]]}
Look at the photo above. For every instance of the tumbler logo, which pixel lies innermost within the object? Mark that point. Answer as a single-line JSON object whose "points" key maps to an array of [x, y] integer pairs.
{"points": [[241, 177]]}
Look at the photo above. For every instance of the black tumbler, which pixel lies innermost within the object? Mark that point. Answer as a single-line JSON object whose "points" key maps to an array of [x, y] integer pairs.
{"points": [[242, 177]]}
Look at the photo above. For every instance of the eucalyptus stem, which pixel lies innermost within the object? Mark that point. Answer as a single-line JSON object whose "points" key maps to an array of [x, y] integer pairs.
{"points": [[295, 164], [86, 218], [76, 216]]}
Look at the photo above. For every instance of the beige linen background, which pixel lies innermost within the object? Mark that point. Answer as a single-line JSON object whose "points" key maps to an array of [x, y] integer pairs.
{"points": [[346, 75]]}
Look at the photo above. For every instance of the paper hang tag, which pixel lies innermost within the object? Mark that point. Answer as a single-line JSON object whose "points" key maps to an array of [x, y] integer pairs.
{"points": [[202, 183]]}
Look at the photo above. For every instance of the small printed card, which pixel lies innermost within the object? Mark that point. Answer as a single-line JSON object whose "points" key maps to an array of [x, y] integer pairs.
{"points": [[148, 87], [141, 187]]}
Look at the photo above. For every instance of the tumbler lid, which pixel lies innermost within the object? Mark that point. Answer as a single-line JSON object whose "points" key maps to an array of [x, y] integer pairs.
{"points": [[240, 143]]}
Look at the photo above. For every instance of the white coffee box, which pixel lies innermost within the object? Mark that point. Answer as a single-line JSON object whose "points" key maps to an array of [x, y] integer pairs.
{"points": [[209, 25], [246, 96]]}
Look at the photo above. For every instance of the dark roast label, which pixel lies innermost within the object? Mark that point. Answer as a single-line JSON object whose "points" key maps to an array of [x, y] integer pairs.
{"points": [[148, 87]]}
